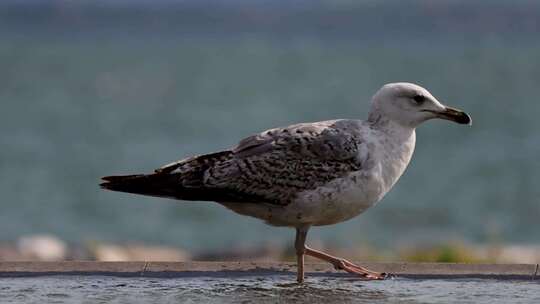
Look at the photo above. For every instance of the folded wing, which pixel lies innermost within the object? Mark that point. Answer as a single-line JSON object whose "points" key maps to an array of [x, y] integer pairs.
{"points": [[270, 167]]}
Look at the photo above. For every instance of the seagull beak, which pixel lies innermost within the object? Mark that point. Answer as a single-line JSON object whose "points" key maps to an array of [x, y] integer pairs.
{"points": [[454, 115]]}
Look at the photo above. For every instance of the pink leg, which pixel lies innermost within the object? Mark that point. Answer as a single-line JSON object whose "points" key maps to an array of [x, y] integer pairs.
{"points": [[349, 267], [299, 244]]}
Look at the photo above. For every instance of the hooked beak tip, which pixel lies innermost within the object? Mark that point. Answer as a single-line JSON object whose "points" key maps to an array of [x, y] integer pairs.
{"points": [[464, 119], [455, 115]]}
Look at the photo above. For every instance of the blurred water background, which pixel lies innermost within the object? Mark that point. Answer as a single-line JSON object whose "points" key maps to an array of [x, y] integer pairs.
{"points": [[92, 88]]}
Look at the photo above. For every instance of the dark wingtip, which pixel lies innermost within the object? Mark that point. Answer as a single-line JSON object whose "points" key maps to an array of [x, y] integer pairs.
{"points": [[116, 178], [107, 178], [107, 182], [115, 182], [105, 185]]}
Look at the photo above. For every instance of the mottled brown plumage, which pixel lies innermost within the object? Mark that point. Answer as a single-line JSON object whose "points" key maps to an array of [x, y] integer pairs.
{"points": [[270, 167]]}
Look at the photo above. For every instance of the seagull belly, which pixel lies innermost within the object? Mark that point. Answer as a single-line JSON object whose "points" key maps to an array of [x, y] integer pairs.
{"points": [[342, 199], [337, 201]]}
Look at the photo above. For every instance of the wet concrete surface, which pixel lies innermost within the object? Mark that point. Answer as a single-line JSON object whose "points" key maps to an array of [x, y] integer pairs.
{"points": [[239, 269], [259, 282], [263, 289]]}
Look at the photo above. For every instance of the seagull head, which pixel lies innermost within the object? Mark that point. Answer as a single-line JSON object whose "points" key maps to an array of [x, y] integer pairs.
{"points": [[409, 105]]}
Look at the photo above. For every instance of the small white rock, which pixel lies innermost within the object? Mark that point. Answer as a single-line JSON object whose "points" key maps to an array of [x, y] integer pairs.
{"points": [[133, 252], [42, 247]]}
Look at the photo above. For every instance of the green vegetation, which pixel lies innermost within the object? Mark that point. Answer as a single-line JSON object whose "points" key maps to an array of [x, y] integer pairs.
{"points": [[445, 253]]}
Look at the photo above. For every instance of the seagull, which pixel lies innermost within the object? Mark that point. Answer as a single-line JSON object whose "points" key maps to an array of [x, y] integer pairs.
{"points": [[307, 174]]}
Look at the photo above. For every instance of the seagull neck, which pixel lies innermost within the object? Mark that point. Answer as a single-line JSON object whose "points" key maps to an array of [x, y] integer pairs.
{"points": [[389, 127]]}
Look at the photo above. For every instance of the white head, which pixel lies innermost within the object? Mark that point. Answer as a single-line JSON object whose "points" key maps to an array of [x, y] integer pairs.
{"points": [[409, 105]]}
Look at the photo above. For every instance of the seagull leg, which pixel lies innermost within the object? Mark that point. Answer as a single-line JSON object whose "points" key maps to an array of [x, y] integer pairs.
{"points": [[340, 263], [300, 246]]}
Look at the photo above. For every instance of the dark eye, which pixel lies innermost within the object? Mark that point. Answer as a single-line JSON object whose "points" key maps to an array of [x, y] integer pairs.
{"points": [[419, 99]]}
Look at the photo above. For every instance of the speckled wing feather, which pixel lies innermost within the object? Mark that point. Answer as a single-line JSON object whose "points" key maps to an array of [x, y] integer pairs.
{"points": [[270, 167], [273, 166]]}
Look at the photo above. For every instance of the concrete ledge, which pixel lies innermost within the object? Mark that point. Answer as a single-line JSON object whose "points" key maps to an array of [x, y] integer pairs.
{"points": [[186, 269]]}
